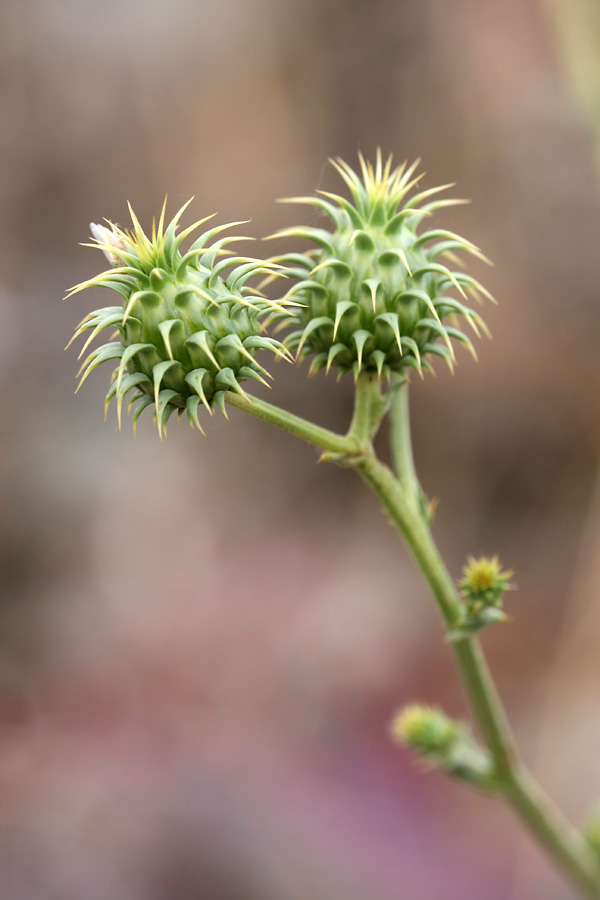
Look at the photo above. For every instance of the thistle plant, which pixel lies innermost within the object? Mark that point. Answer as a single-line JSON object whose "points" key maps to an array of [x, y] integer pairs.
{"points": [[376, 293], [374, 296], [188, 327]]}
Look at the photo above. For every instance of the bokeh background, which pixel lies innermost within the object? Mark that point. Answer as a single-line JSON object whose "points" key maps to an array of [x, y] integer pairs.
{"points": [[202, 641]]}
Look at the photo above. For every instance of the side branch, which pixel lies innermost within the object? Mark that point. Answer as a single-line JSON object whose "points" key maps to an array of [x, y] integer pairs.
{"points": [[321, 437]]}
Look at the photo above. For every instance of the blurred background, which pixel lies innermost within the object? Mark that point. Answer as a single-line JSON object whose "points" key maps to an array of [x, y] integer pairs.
{"points": [[202, 641]]}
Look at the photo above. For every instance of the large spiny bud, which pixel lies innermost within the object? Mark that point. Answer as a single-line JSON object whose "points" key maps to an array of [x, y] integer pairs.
{"points": [[375, 294], [189, 326]]}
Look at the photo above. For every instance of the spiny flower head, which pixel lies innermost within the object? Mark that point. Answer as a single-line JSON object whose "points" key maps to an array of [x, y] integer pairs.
{"points": [[374, 294], [188, 327]]}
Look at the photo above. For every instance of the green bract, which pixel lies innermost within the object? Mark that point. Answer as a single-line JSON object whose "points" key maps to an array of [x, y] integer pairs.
{"points": [[375, 291], [188, 327]]}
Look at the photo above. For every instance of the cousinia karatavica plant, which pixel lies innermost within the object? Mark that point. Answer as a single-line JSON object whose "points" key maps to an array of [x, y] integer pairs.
{"points": [[372, 296]]}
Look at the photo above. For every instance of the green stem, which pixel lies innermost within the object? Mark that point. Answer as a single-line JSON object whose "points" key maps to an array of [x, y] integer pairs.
{"points": [[400, 498], [400, 440], [402, 508], [369, 407], [302, 428], [564, 844], [415, 530]]}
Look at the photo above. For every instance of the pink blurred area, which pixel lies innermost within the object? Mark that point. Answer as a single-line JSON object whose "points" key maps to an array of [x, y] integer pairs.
{"points": [[202, 641]]}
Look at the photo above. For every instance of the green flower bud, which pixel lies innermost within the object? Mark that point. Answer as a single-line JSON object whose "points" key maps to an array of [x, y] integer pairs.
{"points": [[425, 729], [482, 586], [188, 328], [375, 291], [483, 582], [444, 743]]}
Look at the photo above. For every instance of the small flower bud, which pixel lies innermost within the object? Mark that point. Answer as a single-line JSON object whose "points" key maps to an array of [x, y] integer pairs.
{"points": [[483, 582], [444, 743], [482, 586], [425, 729]]}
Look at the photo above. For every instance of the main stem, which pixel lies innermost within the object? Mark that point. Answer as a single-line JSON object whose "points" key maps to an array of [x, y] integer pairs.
{"points": [[400, 498]]}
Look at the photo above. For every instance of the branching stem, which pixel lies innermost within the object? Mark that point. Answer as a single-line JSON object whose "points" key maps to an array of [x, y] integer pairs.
{"points": [[321, 437], [400, 495]]}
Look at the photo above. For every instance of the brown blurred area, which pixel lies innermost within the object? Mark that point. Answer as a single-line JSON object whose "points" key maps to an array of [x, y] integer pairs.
{"points": [[202, 641]]}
